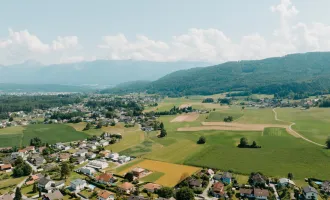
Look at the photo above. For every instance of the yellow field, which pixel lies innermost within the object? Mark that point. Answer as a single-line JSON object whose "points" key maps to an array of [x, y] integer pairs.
{"points": [[173, 173]]}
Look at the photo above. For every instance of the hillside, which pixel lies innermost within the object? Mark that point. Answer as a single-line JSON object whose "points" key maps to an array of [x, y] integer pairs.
{"points": [[127, 87], [10, 87], [296, 73], [99, 72]]}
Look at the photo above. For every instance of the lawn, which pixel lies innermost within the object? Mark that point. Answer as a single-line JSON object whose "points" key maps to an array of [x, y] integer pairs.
{"points": [[153, 177], [8, 185], [173, 173], [52, 133], [27, 191], [10, 140], [12, 130]]}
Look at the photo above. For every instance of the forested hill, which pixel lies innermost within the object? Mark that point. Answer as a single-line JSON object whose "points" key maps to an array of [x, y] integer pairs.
{"points": [[128, 87], [296, 73]]}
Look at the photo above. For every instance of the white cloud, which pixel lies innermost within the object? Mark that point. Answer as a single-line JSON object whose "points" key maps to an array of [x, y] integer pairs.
{"points": [[65, 43]]}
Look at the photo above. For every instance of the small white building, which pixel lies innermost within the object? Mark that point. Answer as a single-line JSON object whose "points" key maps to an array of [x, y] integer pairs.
{"points": [[104, 143], [114, 156], [78, 184], [310, 192], [124, 159], [97, 164], [87, 170]]}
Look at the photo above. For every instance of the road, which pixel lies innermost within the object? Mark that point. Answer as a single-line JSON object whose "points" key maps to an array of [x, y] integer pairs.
{"points": [[295, 132], [275, 191]]}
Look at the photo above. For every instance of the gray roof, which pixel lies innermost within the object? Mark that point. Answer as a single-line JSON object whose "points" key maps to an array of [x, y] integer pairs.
{"points": [[59, 183], [137, 198], [308, 189], [226, 175], [78, 182], [54, 195], [43, 181]]}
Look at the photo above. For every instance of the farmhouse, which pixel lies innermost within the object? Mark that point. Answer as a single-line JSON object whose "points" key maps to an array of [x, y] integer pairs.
{"points": [[151, 187], [310, 192], [138, 172]]}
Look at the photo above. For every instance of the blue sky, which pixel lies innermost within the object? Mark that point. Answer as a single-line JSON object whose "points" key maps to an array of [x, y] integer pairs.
{"points": [[209, 30]]}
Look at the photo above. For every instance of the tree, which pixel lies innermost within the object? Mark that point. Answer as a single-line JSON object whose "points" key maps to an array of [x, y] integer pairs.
{"points": [[11, 119], [254, 144], [165, 192], [161, 125], [243, 142], [328, 143], [185, 193], [129, 176], [88, 126], [65, 170], [201, 140], [99, 125], [163, 133], [18, 194], [290, 176], [34, 189]]}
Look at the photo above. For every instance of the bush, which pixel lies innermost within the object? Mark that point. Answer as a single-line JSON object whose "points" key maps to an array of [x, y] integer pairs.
{"points": [[201, 140]]}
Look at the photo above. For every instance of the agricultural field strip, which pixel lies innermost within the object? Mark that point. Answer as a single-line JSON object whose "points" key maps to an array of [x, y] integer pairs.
{"points": [[186, 118], [293, 131]]}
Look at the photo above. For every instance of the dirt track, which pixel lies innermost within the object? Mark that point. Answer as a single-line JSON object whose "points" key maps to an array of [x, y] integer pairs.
{"points": [[186, 118]]}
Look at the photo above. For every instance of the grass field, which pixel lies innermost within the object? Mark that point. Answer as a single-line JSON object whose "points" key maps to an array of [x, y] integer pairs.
{"points": [[172, 173], [153, 177], [220, 115], [9, 184], [10, 140], [313, 123]]}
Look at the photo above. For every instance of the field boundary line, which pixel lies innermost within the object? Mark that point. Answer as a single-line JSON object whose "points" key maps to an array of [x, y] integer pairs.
{"points": [[295, 132]]}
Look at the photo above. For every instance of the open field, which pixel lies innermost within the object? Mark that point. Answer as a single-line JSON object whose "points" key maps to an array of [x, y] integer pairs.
{"points": [[172, 173], [220, 115], [190, 117], [9, 184], [12, 130], [10, 140]]}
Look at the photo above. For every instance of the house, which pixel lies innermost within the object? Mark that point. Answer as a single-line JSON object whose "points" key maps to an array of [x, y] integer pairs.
{"points": [[195, 183], [246, 192], [260, 194], [106, 178], [15, 155], [226, 178], [80, 160], [114, 156], [87, 170], [97, 164], [285, 182], [63, 157], [151, 187], [138, 172], [104, 143], [78, 184], [257, 179], [218, 189], [41, 149], [217, 177], [310, 192], [6, 167], [56, 195], [59, 146], [45, 184], [6, 197], [34, 178], [91, 146], [137, 198], [161, 198], [325, 187], [210, 172], [105, 195], [38, 161], [81, 153], [123, 159], [127, 188], [105, 153], [90, 155]]}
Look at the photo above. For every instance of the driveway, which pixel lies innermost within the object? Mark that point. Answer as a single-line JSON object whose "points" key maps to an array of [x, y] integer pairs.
{"points": [[205, 193], [275, 191]]}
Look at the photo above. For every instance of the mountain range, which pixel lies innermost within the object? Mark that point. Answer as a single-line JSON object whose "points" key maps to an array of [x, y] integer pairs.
{"points": [[99, 72], [307, 73]]}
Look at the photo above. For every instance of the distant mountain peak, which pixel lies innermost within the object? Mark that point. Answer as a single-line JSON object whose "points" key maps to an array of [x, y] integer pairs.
{"points": [[31, 62]]}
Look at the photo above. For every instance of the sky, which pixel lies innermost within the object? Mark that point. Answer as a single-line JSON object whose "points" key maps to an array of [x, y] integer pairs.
{"points": [[215, 31]]}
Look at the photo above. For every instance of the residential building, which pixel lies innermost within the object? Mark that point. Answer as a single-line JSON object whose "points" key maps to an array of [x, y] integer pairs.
{"points": [[56, 195], [195, 183], [151, 187], [325, 187], [105, 154], [285, 182], [45, 184], [87, 170], [106, 178], [105, 195], [114, 156], [6, 167], [258, 179], [226, 178], [260, 194], [81, 152], [90, 155], [310, 192], [246, 192], [138, 172], [218, 190], [6, 197], [137, 198], [80, 160], [126, 187], [97, 164], [104, 143], [78, 184], [63, 157], [123, 159]]}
